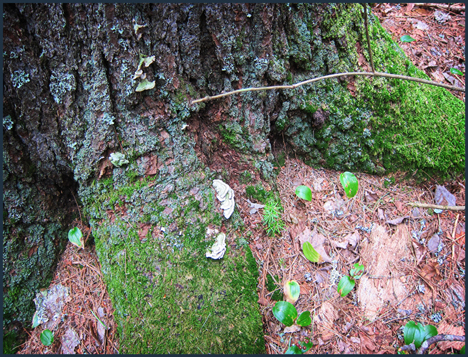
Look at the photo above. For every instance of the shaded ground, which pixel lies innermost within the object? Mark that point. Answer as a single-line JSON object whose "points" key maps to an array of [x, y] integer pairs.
{"points": [[423, 286]]}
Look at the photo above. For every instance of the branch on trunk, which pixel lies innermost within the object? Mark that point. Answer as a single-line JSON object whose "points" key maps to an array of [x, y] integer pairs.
{"points": [[292, 86]]}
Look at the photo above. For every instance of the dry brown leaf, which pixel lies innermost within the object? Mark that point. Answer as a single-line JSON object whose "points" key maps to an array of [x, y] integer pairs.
{"points": [[366, 342], [293, 328], [317, 241], [397, 221], [420, 251]]}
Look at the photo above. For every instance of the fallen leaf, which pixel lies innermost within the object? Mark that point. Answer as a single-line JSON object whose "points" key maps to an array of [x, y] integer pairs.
{"points": [[397, 220], [370, 196], [366, 342], [262, 301], [293, 328], [70, 340], [317, 241], [444, 197], [433, 243], [420, 251], [399, 205], [381, 214], [429, 271]]}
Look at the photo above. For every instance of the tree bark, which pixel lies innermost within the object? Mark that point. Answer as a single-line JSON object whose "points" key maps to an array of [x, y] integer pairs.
{"points": [[70, 77]]}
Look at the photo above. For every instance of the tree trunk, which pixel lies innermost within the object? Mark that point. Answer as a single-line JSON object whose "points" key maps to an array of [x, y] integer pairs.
{"points": [[72, 80]]}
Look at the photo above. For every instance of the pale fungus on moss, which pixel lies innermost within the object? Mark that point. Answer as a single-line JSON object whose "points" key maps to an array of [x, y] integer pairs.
{"points": [[218, 249], [225, 195], [118, 159]]}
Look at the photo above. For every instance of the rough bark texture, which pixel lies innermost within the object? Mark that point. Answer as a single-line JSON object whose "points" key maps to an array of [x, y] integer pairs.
{"points": [[70, 101]]}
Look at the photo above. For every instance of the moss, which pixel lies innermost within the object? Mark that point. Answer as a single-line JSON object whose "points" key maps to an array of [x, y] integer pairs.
{"points": [[169, 298], [258, 193]]}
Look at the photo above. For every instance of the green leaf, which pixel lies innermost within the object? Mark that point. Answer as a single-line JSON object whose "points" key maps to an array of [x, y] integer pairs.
{"points": [[76, 237], [304, 319], [345, 285], [358, 268], [310, 253], [304, 192], [47, 337], [462, 351], [292, 291], [456, 71], [407, 38], [349, 183], [417, 333], [293, 350], [429, 331], [285, 312]]}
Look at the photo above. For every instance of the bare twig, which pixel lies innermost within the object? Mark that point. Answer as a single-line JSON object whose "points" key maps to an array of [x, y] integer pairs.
{"points": [[425, 345], [292, 86], [367, 35], [426, 205], [449, 7]]}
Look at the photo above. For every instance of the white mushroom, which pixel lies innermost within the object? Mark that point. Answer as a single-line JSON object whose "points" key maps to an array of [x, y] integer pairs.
{"points": [[218, 249], [225, 195]]}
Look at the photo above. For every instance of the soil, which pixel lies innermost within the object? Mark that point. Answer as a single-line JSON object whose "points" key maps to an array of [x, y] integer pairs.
{"points": [[404, 280]]}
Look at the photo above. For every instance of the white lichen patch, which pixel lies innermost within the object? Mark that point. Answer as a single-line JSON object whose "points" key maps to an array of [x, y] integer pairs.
{"points": [[225, 195], [218, 249]]}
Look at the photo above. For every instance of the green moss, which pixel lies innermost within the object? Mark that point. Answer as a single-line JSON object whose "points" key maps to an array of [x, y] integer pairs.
{"points": [[259, 193], [165, 291]]}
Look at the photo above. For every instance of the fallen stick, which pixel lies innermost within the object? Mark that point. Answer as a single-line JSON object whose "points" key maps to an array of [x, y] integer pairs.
{"points": [[426, 205], [443, 6], [425, 345]]}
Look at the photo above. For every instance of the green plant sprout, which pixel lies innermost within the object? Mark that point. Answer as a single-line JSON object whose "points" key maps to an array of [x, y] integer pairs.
{"points": [[349, 183], [272, 218], [286, 313], [76, 237], [407, 38], [456, 71], [292, 291], [347, 283], [418, 333], [310, 253], [304, 192], [47, 337]]}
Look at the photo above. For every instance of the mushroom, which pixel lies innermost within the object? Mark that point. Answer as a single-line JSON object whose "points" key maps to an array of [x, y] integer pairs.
{"points": [[225, 195]]}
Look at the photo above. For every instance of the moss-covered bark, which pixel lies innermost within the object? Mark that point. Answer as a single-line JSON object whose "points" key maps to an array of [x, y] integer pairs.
{"points": [[70, 101]]}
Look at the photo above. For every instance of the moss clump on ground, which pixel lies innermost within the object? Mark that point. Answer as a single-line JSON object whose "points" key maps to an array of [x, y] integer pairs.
{"points": [[170, 298]]}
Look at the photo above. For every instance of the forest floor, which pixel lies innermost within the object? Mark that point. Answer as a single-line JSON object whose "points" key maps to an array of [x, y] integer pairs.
{"points": [[421, 280]]}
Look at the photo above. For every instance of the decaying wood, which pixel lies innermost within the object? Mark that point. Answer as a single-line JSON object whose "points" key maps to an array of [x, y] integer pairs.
{"points": [[427, 205]]}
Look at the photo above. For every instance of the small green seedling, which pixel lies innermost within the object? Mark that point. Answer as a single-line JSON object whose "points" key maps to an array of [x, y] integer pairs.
{"points": [[349, 183], [407, 38], [47, 337], [347, 283], [272, 218], [418, 333], [286, 313], [76, 237], [292, 291], [294, 350], [310, 253], [304, 192], [456, 71]]}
